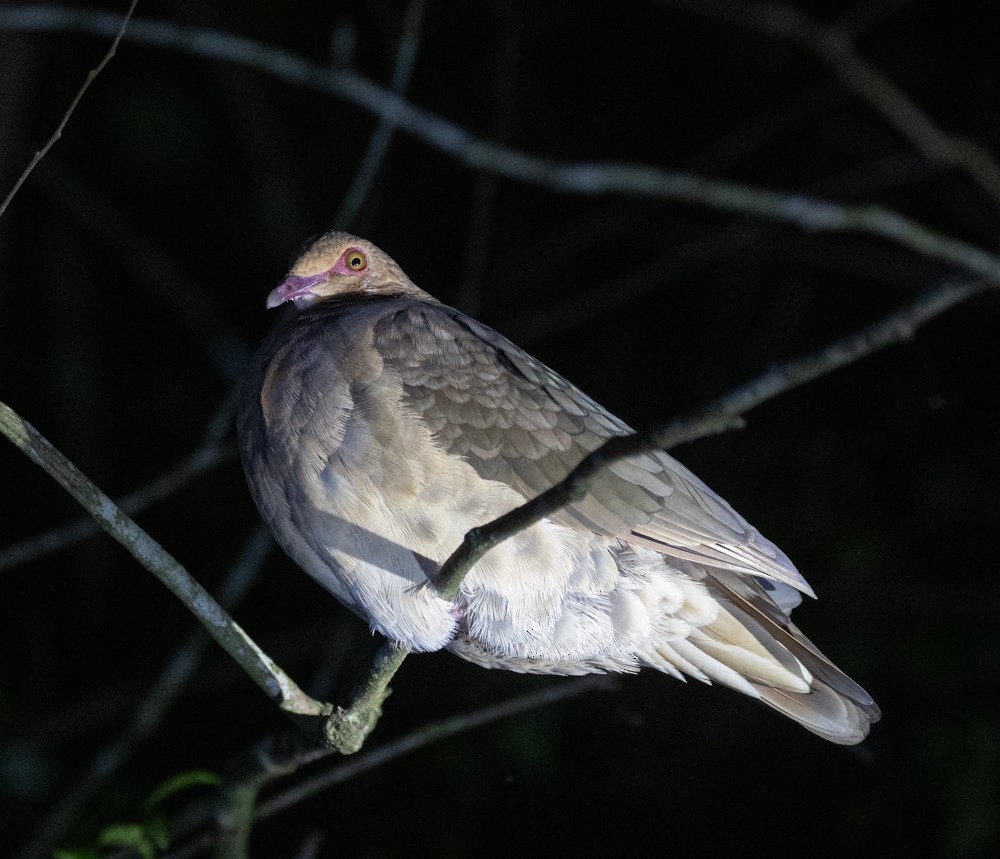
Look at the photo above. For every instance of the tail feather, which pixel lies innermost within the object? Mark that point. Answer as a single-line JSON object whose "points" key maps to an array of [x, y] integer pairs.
{"points": [[825, 712], [712, 668], [753, 647]]}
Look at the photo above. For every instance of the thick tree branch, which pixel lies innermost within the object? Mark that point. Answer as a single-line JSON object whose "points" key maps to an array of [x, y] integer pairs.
{"points": [[591, 178]]}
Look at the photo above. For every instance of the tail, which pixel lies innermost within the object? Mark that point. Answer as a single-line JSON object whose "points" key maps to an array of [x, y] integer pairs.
{"points": [[753, 647]]}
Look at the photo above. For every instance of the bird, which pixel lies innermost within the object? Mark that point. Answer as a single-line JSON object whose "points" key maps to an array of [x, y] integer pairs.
{"points": [[378, 425]]}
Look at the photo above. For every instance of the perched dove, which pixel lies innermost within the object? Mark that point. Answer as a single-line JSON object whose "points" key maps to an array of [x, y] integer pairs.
{"points": [[379, 425]]}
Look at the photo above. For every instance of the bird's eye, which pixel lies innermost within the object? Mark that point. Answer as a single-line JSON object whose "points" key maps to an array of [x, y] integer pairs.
{"points": [[355, 260]]}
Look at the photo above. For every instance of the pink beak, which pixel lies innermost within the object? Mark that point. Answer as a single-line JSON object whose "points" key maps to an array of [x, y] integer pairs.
{"points": [[295, 286]]}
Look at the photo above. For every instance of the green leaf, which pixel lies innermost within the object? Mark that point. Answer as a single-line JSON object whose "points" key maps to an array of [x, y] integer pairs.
{"points": [[181, 781], [156, 830], [75, 853], [127, 835]]}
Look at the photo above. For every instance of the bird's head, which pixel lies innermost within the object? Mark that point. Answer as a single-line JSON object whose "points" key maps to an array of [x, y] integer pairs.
{"points": [[339, 264]]}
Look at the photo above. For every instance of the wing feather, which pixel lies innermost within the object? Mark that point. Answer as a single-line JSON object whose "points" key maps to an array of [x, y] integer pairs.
{"points": [[517, 421]]}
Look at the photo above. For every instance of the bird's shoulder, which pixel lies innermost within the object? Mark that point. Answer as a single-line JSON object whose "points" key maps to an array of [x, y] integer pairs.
{"points": [[461, 373]]}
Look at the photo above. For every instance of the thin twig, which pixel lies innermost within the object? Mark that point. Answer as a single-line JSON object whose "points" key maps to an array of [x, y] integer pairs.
{"points": [[153, 708], [834, 47], [91, 76], [150, 265], [378, 146], [280, 756], [422, 737], [883, 94], [269, 677], [625, 288], [571, 177], [191, 467], [719, 416], [211, 453]]}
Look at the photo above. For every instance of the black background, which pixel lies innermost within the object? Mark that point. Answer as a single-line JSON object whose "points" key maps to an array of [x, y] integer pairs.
{"points": [[133, 268]]}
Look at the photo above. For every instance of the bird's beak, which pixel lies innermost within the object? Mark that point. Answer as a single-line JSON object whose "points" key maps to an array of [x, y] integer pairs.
{"points": [[296, 288]]}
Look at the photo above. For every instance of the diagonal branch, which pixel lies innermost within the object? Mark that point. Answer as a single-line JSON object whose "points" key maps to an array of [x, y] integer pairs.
{"points": [[192, 466], [432, 733], [378, 146], [570, 177], [833, 46], [279, 756], [276, 684], [719, 416], [91, 76], [147, 716]]}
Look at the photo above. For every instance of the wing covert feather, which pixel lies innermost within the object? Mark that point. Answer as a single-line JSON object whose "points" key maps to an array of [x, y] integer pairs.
{"points": [[517, 421]]}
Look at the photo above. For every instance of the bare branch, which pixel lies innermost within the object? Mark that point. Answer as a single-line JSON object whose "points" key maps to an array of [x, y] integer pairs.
{"points": [[276, 684], [91, 76], [833, 46], [347, 728], [590, 178], [192, 466], [378, 146], [211, 453], [147, 717], [717, 417], [432, 733], [279, 756]]}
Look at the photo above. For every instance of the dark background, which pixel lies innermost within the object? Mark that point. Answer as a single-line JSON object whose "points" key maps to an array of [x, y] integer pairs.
{"points": [[133, 268]]}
